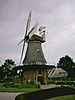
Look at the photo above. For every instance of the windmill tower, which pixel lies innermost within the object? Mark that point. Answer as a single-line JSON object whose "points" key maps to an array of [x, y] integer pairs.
{"points": [[34, 66], [34, 53]]}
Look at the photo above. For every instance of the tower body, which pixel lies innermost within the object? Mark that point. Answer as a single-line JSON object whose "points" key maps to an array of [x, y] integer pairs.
{"points": [[34, 53]]}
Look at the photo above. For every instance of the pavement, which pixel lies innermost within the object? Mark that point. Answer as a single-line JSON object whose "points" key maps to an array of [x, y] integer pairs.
{"points": [[49, 86], [8, 96]]}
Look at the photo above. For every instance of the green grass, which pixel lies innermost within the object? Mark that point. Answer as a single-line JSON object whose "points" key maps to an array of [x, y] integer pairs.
{"points": [[12, 89], [66, 97], [26, 90], [7, 87]]}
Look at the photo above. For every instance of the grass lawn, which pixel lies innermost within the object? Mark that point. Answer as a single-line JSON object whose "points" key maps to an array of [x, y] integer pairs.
{"points": [[17, 89], [66, 97], [25, 90]]}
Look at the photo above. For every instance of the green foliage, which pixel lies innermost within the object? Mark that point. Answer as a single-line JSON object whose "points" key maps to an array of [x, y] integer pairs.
{"points": [[66, 62], [6, 70], [29, 85], [17, 88], [68, 65], [19, 85], [11, 84], [37, 84]]}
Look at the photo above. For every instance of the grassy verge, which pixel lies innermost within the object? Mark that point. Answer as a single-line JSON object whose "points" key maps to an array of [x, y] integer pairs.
{"points": [[67, 97], [26, 90], [17, 89]]}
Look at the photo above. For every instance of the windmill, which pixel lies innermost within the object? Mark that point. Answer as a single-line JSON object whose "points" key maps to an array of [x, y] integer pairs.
{"points": [[34, 66], [28, 34]]}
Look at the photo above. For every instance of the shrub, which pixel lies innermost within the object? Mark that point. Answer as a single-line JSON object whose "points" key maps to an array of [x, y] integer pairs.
{"points": [[37, 84], [30, 85], [18, 85], [11, 84]]}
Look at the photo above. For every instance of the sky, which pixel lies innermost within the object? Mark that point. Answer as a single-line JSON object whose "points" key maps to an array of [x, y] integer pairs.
{"points": [[58, 16]]}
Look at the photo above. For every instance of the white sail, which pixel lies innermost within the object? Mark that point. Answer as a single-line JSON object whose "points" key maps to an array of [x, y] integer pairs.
{"points": [[33, 30]]}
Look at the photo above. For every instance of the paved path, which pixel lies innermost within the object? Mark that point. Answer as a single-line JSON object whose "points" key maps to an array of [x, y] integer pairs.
{"points": [[8, 96], [49, 86]]}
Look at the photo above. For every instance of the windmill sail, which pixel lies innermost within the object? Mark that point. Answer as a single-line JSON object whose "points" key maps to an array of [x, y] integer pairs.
{"points": [[22, 52], [28, 22], [27, 28], [20, 42], [33, 30]]}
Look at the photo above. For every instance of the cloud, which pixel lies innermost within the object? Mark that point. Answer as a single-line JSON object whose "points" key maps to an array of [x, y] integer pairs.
{"points": [[57, 15]]}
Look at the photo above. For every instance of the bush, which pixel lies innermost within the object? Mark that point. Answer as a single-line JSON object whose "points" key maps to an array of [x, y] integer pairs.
{"points": [[18, 85], [37, 84], [11, 84], [30, 85], [8, 84]]}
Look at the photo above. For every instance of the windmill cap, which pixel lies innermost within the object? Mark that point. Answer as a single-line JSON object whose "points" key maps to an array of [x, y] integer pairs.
{"points": [[37, 38]]}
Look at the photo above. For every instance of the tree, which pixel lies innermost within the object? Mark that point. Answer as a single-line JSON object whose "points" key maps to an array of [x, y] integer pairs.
{"points": [[6, 68], [67, 64]]}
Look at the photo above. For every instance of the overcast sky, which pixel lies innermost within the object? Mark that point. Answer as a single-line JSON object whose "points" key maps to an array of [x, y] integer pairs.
{"points": [[57, 15]]}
